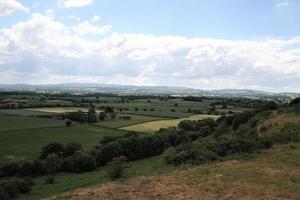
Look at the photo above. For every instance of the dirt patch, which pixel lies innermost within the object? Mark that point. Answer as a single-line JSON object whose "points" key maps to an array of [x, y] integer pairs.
{"points": [[140, 188]]}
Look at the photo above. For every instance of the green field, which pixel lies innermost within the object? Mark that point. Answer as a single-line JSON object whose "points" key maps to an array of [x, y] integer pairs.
{"points": [[135, 119], [9, 123], [151, 127], [57, 109], [26, 144], [21, 112]]}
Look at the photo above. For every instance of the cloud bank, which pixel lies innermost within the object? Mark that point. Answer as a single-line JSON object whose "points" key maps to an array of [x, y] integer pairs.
{"points": [[7, 7], [43, 50]]}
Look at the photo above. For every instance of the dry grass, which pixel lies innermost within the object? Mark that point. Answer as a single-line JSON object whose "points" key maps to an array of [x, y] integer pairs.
{"points": [[277, 123]]}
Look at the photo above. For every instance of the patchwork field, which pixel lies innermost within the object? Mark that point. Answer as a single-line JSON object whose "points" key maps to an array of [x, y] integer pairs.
{"points": [[151, 127]]}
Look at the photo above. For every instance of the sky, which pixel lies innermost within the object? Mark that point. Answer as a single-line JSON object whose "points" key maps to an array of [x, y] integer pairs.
{"points": [[204, 44]]}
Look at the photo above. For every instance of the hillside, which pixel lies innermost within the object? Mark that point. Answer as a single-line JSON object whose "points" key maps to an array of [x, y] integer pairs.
{"points": [[268, 174], [274, 174]]}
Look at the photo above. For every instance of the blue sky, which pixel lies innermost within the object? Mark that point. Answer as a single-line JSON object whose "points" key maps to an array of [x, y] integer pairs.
{"points": [[207, 44]]}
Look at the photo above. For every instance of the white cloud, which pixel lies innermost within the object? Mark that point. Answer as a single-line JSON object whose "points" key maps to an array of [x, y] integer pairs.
{"points": [[281, 3], [7, 7], [42, 50], [74, 3], [95, 18], [85, 28]]}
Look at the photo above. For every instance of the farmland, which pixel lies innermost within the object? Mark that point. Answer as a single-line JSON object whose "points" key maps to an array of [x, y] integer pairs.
{"points": [[152, 127], [116, 125]]}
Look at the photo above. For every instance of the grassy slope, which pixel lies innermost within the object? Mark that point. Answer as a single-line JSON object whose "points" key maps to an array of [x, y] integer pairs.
{"points": [[27, 143], [151, 127], [273, 174]]}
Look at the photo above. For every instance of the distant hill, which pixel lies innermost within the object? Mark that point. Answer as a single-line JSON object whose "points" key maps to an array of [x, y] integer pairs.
{"points": [[138, 90]]}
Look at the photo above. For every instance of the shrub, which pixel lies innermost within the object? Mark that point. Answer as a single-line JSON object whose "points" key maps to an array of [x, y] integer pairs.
{"points": [[71, 148], [52, 148], [82, 162], [9, 169], [116, 167], [12, 187], [53, 164]]}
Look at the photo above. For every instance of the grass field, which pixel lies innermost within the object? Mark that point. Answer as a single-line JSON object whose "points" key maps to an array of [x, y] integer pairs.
{"points": [[135, 119], [8, 123], [23, 144], [21, 112], [151, 127], [273, 174], [57, 109]]}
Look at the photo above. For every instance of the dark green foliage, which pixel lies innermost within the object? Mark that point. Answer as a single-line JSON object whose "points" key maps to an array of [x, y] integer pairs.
{"points": [[92, 117], [107, 139], [71, 148], [68, 122], [79, 162], [78, 116], [295, 101], [9, 169], [52, 148], [12, 187], [116, 167], [270, 105], [102, 116], [53, 164], [241, 118]]}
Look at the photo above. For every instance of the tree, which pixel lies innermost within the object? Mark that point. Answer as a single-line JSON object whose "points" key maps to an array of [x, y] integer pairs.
{"points": [[52, 148], [116, 167], [92, 117], [68, 122], [112, 115], [71, 148], [102, 116]]}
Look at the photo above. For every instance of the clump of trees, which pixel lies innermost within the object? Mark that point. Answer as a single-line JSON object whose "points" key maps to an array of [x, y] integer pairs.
{"points": [[116, 167]]}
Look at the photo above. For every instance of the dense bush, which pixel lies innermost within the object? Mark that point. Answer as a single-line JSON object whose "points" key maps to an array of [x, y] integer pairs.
{"points": [[79, 162], [116, 167], [53, 164], [10, 188], [52, 148], [71, 148], [9, 169]]}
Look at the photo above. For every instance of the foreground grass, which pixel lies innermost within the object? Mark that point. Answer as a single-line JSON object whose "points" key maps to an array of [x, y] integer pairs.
{"points": [[151, 127], [26, 144], [273, 174]]}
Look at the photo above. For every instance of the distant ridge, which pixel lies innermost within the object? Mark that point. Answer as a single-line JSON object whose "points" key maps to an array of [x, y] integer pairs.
{"points": [[138, 90]]}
